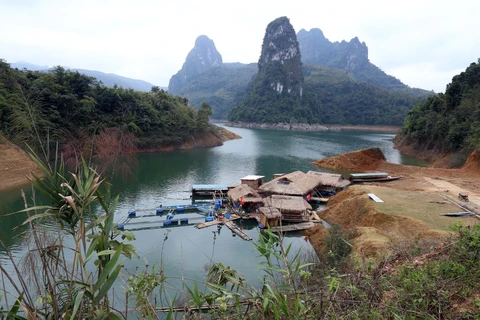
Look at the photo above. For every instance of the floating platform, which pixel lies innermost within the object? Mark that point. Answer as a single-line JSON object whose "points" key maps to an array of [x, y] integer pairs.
{"points": [[209, 189]]}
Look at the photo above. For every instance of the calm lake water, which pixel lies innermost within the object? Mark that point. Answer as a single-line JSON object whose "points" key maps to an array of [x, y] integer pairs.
{"points": [[166, 178]]}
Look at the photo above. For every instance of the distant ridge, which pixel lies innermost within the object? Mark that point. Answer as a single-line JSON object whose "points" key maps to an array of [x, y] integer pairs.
{"points": [[108, 79], [351, 56]]}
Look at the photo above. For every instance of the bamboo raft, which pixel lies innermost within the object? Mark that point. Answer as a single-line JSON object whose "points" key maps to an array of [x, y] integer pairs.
{"points": [[216, 222], [232, 226], [294, 227]]}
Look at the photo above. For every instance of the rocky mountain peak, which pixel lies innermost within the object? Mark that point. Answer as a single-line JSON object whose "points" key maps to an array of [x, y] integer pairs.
{"points": [[202, 57], [280, 61], [316, 49]]}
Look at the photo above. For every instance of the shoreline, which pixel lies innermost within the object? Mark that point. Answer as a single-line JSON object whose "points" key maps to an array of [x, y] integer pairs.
{"points": [[313, 127]]}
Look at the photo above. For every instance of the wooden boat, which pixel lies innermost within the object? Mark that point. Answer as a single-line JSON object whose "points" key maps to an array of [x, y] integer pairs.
{"points": [[379, 179]]}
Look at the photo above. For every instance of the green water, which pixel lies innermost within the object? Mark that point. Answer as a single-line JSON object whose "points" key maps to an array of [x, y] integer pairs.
{"points": [[166, 178]]}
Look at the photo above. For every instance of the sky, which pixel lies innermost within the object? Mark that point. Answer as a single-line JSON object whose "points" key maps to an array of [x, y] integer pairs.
{"points": [[422, 43]]}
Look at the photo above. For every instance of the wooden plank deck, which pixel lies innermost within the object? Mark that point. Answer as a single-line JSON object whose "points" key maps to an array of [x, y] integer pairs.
{"points": [[318, 199], [232, 226], [294, 227]]}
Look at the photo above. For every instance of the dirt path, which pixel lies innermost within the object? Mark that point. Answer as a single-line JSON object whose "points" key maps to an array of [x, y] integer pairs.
{"points": [[451, 191]]}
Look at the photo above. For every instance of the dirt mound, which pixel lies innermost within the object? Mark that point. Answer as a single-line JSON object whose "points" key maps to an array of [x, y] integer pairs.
{"points": [[15, 166], [373, 232], [361, 160], [473, 163]]}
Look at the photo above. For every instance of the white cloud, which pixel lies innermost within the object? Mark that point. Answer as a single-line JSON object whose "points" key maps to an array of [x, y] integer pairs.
{"points": [[423, 43]]}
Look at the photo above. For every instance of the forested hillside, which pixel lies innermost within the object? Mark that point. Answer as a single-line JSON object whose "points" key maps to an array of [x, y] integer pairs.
{"points": [[72, 108], [221, 87], [447, 122], [351, 56], [108, 79]]}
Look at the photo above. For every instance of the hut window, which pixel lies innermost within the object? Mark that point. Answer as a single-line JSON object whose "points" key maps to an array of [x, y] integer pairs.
{"points": [[283, 182]]}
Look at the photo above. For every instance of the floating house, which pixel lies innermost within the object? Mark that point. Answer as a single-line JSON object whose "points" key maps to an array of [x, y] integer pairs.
{"points": [[253, 181], [292, 208], [296, 183], [329, 182], [269, 217], [245, 195]]}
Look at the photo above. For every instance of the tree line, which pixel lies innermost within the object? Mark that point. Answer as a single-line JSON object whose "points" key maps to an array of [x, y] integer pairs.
{"points": [[448, 122], [73, 108]]}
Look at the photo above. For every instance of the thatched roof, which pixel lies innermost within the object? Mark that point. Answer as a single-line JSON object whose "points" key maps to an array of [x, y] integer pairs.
{"points": [[329, 179], [270, 212], [252, 200], [295, 184], [242, 190], [287, 204]]}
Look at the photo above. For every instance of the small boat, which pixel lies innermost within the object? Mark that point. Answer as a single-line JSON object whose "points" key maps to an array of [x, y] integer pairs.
{"points": [[379, 179], [458, 214], [368, 175]]}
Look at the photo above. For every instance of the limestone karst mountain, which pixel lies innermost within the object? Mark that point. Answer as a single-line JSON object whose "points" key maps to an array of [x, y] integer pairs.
{"points": [[202, 57]]}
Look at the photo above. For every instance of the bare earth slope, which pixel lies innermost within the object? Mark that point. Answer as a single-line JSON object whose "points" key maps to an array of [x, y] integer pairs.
{"points": [[15, 166], [412, 208]]}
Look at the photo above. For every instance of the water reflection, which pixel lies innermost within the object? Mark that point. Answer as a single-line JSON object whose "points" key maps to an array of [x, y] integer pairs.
{"points": [[166, 178]]}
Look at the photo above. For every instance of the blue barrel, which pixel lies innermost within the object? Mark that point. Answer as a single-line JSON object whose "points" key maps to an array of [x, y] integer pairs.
{"points": [[180, 208], [217, 205], [132, 214], [227, 215], [167, 222], [121, 227], [159, 211]]}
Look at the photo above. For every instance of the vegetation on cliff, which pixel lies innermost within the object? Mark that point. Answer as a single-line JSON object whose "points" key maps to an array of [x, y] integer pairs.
{"points": [[72, 108], [450, 122], [340, 85], [332, 96], [276, 90], [285, 92]]}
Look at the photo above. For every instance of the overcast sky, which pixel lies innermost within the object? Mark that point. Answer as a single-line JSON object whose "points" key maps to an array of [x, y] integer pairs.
{"points": [[423, 43]]}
